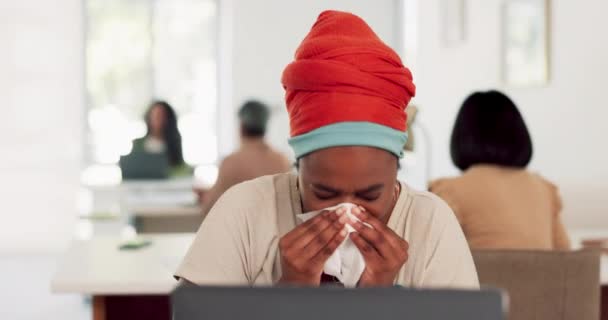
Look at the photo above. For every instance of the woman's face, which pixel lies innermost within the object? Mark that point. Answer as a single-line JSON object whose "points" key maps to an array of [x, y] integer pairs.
{"points": [[364, 176], [158, 119]]}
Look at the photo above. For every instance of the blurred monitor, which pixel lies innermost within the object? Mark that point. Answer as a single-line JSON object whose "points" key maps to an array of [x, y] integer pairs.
{"points": [[331, 303], [140, 165]]}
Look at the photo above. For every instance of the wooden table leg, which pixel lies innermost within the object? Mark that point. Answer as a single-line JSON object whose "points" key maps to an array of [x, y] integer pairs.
{"points": [[99, 308], [153, 307], [129, 307], [604, 303]]}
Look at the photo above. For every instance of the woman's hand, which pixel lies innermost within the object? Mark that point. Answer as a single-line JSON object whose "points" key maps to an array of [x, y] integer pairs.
{"points": [[305, 249], [383, 250]]}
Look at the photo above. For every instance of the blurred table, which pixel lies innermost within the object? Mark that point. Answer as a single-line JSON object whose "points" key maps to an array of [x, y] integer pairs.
{"points": [[151, 206], [124, 284], [163, 206], [166, 219]]}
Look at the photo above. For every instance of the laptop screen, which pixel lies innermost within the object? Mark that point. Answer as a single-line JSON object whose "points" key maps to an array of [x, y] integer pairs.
{"points": [[190, 303]]}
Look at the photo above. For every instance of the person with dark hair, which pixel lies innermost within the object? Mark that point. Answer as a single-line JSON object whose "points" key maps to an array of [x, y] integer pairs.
{"points": [[499, 203], [162, 135], [254, 158], [343, 218], [253, 117]]}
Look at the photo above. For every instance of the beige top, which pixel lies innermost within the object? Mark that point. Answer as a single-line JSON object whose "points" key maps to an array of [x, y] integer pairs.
{"points": [[505, 208], [237, 244], [254, 159]]}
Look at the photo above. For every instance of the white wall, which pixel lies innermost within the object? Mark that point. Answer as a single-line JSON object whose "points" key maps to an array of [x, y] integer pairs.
{"points": [[566, 118], [265, 36], [40, 124]]}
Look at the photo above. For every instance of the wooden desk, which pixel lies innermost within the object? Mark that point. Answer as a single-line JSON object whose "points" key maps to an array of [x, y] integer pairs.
{"points": [[125, 284], [576, 237]]}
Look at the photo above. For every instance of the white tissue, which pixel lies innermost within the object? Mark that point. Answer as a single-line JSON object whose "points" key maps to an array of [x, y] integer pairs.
{"points": [[346, 263]]}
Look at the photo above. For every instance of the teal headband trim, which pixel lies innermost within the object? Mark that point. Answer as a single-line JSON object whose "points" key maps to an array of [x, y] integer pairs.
{"points": [[350, 134]]}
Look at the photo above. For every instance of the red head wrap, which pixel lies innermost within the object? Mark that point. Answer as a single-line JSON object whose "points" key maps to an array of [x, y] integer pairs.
{"points": [[344, 73]]}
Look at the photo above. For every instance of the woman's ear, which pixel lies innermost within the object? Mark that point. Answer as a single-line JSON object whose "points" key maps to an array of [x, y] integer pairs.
{"points": [[411, 112], [397, 190]]}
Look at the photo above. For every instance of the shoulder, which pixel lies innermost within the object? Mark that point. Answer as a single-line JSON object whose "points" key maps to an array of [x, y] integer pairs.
{"points": [[250, 192], [545, 182], [288, 164], [248, 206], [232, 165], [424, 215], [448, 189], [552, 190], [437, 238], [443, 184], [139, 142], [429, 222], [279, 156], [253, 198], [230, 159], [429, 208]]}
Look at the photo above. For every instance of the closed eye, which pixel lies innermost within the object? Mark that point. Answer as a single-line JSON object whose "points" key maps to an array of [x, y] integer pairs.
{"points": [[324, 192], [369, 197], [324, 196]]}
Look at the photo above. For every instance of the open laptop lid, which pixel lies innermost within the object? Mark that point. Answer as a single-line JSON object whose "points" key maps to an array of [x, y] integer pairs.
{"points": [[235, 303], [139, 165]]}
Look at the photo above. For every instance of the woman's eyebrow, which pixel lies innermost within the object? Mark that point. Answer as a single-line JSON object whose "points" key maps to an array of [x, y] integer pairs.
{"points": [[325, 188], [372, 188]]}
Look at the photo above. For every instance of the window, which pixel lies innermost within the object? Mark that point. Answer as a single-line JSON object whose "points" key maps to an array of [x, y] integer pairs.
{"points": [[140, 50]]}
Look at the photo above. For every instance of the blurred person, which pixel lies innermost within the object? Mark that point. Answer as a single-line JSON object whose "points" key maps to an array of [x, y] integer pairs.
{"points": [[346, 94], [499, 203], [253, 159], [163, 136]]}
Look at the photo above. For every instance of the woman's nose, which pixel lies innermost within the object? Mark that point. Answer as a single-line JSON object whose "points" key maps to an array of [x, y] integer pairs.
{"points": [[350, 199]]}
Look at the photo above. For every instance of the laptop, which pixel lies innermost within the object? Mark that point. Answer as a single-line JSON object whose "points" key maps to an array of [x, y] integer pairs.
{"points": [[139, 165], [331, 303]]}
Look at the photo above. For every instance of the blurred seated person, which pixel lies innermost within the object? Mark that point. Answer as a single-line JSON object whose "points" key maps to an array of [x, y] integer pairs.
{"points": [[162, 136], [253, 159], [499, 203]]}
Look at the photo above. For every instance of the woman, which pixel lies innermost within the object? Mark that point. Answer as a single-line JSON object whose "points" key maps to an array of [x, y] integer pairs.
{"points": [[162, 135], [499, 203], [346, 94]]}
